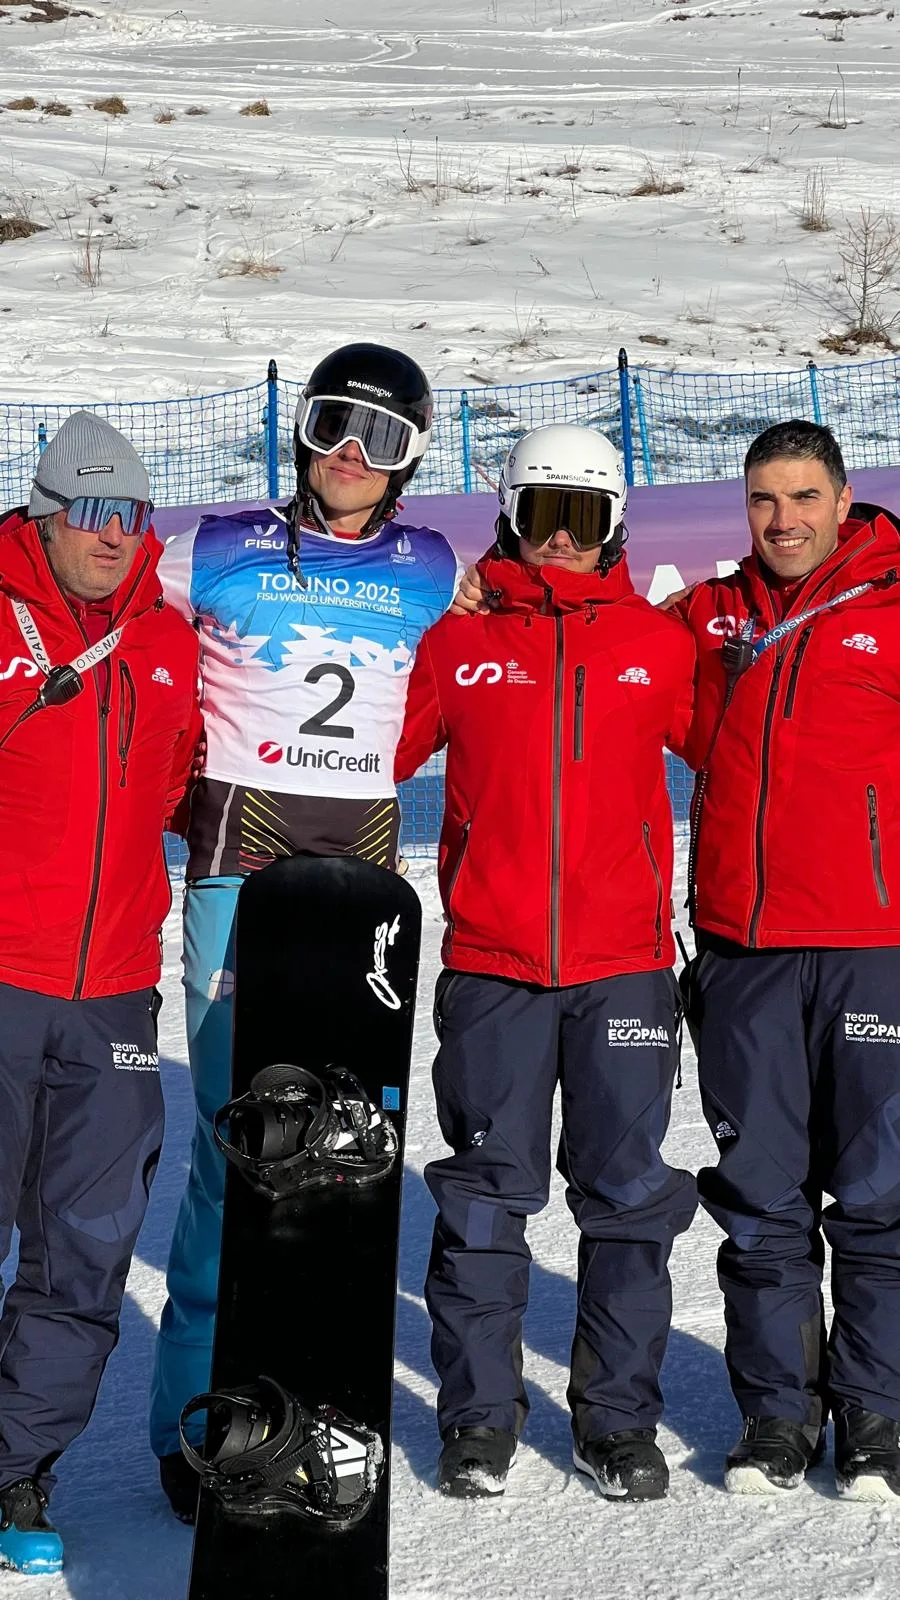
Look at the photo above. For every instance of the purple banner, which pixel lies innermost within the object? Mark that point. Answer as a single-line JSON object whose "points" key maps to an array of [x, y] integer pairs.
{"points": [[677, 532]]}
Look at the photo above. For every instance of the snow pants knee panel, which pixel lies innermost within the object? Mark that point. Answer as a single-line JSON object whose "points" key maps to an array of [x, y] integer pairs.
{"points": [[81, 1123], [504, 1047], [800, 1080]]}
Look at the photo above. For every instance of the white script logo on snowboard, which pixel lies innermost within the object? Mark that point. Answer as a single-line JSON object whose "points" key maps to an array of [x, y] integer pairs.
{"points": [[385, 934]]}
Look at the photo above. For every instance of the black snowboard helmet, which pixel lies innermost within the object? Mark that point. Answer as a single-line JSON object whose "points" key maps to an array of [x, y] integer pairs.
{"points": [[380, 398]]}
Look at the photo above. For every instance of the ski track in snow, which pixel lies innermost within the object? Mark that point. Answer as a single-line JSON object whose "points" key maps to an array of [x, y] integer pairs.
{"points": [[552, 1537], [465, 187]]}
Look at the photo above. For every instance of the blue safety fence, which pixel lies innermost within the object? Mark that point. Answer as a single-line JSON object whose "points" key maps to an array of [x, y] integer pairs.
{"points": [[422, 802], [673, 427]]}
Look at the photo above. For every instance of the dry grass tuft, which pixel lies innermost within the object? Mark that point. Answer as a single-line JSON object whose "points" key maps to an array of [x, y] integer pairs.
{"points": [[112, 104], [256, 108], [658, 186], [165, 114], [56, 108], [18, 227], [197, 111], [26, 103], [255, 264], [814, 212], [658, 179]]}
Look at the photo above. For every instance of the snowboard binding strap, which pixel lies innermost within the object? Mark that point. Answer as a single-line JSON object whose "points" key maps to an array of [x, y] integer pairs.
{"points": [[266, 1452], [292, 1129]]}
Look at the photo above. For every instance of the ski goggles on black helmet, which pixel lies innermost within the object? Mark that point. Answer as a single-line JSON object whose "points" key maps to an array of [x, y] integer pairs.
{"points": [[539, 511], [389, 443], [93, 513]]}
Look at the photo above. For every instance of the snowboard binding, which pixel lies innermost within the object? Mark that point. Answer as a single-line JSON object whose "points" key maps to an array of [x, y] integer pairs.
{"points": [[292, 1129], [265, 1453]]}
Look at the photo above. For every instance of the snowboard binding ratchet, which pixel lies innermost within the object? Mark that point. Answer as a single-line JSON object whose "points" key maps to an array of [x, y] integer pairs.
{"points": [[293, 1129], [266, 1452]]}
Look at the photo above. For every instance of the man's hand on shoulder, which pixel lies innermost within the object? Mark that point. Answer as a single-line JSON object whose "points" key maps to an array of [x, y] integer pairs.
{"points": [[470, 596], [672, 600]]}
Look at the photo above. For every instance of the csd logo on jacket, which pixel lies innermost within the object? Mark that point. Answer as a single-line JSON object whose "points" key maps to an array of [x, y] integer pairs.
{"points": [[490, 671], [29, 669]]}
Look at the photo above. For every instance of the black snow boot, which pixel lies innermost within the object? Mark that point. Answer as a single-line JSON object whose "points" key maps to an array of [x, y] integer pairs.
{"points": [[475, 1461], [627, 1465], [772, 1453], [866, 1455], [181, 1485]]}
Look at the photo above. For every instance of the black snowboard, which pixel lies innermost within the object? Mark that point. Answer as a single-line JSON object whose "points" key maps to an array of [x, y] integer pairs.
{"points": [[307, 1289]]}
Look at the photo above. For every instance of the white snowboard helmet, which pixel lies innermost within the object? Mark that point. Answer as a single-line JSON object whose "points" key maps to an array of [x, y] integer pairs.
{"points": [[563, 476]]}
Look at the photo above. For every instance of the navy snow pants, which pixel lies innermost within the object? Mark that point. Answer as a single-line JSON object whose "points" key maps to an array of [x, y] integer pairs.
{"points": [[503, 1047], [800, 1078], [81, 1122]]}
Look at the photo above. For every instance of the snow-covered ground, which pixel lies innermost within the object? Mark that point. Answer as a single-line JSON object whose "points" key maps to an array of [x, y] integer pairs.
{"points": [[552, 1537], [462, 183], [508, 189]]}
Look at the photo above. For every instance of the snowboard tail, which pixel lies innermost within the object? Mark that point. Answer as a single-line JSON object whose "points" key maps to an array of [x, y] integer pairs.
{"points": [[326, 963]]}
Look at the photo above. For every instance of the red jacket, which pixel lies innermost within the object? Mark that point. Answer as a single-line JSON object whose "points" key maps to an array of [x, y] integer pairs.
{"points": [[555, 860], [799, 827], [86, 788]]}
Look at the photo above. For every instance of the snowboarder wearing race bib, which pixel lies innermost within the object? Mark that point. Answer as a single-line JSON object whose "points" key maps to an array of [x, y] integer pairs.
{"points": [[309, 616], [99, 726]]}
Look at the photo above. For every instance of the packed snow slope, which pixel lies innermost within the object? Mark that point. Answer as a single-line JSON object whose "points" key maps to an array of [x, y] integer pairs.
{"points": [[507, 188], [552, 1537]]}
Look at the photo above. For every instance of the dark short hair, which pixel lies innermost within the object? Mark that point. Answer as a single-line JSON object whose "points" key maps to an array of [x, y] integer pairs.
{"points": [[798, 440]]}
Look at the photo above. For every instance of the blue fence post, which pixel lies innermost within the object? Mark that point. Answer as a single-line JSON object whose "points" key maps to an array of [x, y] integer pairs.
{"points": [[814, 390], [42, 437], [465, 418], [270, 425], [642, 427], [625, 409]]}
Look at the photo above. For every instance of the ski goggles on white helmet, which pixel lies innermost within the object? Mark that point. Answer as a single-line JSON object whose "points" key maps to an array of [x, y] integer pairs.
{"points": [[91, 514], [389, 443], [538, 511]]}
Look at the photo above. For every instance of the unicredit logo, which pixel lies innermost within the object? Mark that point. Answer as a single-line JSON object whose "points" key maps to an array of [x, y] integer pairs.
{"points": [[490, 671], [330, 760]]}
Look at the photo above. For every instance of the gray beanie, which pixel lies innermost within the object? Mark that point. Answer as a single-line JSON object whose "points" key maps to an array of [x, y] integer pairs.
{"points": [[87, 457]]}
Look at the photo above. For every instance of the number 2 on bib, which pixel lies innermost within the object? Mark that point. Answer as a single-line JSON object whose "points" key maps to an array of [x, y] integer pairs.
{"points": [[319, 722]]}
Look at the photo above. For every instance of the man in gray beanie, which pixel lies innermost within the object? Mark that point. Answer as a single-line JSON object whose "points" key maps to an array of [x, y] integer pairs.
{"points": [[99, 727]]}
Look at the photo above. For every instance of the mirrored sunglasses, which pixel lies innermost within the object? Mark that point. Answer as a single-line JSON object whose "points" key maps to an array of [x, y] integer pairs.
{"points": [[91, 514]]}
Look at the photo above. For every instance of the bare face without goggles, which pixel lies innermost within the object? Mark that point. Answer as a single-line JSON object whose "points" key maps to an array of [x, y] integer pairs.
{"points": [[388, 443], [538, 512]]}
